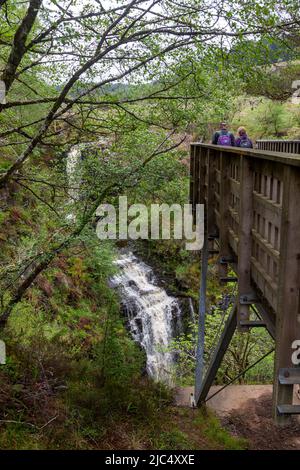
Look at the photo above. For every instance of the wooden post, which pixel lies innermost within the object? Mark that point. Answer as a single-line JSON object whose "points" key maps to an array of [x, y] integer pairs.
{"points": [[202, 173], [192, 176], [225, 251], [203, 168], [288, 313], [201, 317], [245, 241], [211, 200], [195, 176], [200, 176]]}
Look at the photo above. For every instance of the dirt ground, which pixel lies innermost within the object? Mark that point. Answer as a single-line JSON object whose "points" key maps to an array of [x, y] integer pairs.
{"points": [[253, 421], [246, 411]]}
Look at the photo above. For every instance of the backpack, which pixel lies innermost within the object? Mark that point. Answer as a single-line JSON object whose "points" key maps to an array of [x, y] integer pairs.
{"points": [[224, 139], [245, 142]]}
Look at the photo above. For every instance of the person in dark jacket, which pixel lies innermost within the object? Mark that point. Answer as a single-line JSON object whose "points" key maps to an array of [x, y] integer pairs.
{"points": [[243, 139], [223, 136]]}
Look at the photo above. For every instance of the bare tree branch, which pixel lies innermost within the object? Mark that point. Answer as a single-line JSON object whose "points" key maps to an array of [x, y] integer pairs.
{"points": [[19, 48]]}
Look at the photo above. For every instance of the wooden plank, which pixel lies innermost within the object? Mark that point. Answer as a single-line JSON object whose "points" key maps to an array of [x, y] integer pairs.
{"points": [[289, 375], [271, 168], [224, 211], [201, 316], [259, 284], [267, 278], [234, 186], [192, 150], [288, 313], [271, 210], [253, 323], [233, 240], [245, 241], [218, 355], [218, 219], [234, 214], [211, 201], [265, 245], [202, 176], [194, 176], [268, 317], [264, 283], [199, 176], [196, 170], [288, 409]]}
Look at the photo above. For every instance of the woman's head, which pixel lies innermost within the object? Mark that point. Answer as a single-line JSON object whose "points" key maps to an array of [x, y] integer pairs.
{"points": [[241, 131]]}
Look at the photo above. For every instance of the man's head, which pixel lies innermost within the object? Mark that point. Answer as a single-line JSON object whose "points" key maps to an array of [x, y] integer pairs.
{"points": [[223, 126]]}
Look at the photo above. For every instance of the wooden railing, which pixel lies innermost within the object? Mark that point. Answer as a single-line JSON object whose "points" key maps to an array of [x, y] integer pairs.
{"points": [[286, 146], [252, 205]]}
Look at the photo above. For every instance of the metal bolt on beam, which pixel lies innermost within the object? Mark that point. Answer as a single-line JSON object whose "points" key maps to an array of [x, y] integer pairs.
{"points": [[226, 260], [228, 279], [248, 299]]}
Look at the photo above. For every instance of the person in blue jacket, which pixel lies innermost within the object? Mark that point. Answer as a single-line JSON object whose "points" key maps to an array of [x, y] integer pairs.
{"points": [[223, 136]]}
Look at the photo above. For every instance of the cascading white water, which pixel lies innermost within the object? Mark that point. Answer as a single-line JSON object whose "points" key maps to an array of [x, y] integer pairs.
{"points": [[153, 315], [73, 167], [73, 159], [73, 173], [192, 310]]}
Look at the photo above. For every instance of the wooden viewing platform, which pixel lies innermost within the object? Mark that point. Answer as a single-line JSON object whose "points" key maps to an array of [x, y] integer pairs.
{"points": [[252, 219]]}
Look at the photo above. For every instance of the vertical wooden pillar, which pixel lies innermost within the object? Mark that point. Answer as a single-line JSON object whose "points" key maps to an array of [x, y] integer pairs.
{"points": [[202, 199], [192, 175], [288, 314], [224, 211], [200, 158], [211, 199], [202, 174], [195, 176], [196, 179], [201, 319], [245, 241]]}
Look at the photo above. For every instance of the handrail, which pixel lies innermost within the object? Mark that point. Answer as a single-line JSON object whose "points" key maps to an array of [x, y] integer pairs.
{"points": [[287, 158], [286, 146], [278, 140]]}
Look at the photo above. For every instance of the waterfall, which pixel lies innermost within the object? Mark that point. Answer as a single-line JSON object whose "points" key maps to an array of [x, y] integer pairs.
{"points": [[192, 310], [73, 167], [73, 160], [73, 173], [153, 316]]}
